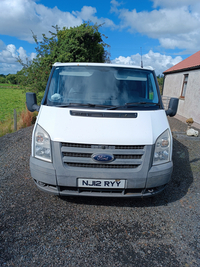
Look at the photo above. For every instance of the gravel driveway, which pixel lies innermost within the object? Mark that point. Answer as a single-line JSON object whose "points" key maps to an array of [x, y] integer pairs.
{"points": [[37, 229]]}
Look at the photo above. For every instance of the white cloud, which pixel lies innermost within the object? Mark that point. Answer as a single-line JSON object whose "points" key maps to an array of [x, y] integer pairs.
{"points": [[114, 6], [189, 42], [173, 3], [8, 58], [2, 45], [158, 61], [174, 27], [11, 49], [87, 13], [159, 23], [27, 16]]}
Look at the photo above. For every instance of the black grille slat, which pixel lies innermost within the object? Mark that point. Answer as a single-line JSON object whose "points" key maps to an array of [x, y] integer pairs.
{"points": [[76, 145], [103, 114], [103, 146], [77, 155], [87, 155], [104, 166], [128, 147], [123, 156]]}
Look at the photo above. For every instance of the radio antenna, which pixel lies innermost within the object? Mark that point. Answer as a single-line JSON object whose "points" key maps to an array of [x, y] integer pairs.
{"points": [[141, 57]]}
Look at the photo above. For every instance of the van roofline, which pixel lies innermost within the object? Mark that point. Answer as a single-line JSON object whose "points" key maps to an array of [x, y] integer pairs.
{"points": [[57, 64]]}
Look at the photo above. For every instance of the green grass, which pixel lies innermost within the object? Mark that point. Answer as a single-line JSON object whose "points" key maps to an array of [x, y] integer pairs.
{"points": [[11, 97], [14, 97]]}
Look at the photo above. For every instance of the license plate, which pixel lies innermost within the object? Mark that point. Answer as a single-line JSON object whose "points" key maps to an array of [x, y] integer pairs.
{"points": [[95, 183]]}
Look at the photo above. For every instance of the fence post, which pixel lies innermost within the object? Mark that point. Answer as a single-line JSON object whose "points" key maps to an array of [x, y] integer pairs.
{"points": [[15, 120]]}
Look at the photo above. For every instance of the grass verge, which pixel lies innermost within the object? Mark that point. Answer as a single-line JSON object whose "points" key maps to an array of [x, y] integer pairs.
{"points": [[13, 97], [24, 119]]}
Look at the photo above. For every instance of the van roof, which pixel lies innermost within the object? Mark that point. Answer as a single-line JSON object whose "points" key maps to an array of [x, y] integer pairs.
{"points": [[57, 64]]}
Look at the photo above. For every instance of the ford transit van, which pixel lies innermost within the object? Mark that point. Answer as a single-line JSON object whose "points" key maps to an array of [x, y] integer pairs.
{"points": [[101, 130]]}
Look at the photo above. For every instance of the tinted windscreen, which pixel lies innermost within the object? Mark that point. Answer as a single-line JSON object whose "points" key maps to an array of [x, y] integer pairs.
{"points": [[101, 86]]}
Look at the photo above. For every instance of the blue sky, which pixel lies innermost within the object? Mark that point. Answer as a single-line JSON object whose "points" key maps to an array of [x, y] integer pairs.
{"points": [[167, 30]]}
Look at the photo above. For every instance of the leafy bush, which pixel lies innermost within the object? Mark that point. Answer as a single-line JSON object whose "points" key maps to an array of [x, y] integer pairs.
{"points": [[2, 79], [11, 78], [160, 82], [79, 44]]}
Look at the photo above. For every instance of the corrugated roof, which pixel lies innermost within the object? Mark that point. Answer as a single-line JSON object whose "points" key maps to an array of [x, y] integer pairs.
{"points": [[191, 62]]}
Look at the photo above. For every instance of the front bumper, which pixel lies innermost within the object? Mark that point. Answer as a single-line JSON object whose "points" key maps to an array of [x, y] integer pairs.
{"points": [[46, 179]]}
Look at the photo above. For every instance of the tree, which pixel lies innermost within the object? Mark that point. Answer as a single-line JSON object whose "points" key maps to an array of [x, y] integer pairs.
{"points": [[2, 78], [11, 78], [78, 44], [81, 44], [160, 82]]}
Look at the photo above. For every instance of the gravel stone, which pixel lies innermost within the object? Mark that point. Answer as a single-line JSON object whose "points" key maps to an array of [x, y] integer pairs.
{"points": [[37, 229]]}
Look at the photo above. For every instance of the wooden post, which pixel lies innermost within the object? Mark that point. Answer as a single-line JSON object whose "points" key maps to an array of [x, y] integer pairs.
{"points": [[15, 120]]}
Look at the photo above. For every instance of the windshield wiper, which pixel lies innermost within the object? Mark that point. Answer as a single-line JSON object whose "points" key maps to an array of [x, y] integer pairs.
{"points": [[133, 104], [83, 105], [74, 104]]}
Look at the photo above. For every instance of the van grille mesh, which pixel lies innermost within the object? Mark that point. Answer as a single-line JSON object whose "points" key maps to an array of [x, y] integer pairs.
{"points": [[80, 155]]}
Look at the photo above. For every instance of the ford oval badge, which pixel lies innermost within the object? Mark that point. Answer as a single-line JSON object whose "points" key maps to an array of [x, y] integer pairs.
{"points": [[103, 157]]}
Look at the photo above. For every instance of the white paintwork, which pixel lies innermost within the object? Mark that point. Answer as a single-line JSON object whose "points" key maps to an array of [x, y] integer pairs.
{"points": [[62, 127], [58, 64]]}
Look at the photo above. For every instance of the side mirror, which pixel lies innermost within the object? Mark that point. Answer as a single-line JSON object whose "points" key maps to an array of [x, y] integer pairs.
{"points": [[172, 107], [31, 102]]}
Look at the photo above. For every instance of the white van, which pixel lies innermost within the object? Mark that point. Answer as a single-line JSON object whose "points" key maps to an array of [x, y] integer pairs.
{"points": [[101, 131]]}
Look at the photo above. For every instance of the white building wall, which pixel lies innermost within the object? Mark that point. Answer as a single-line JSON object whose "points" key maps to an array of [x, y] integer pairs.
{"points": [[189, 107]]}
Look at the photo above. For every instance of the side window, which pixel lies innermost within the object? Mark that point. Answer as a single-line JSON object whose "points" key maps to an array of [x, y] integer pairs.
{"points": [[150, 96], [184, 87], [152, 93]]}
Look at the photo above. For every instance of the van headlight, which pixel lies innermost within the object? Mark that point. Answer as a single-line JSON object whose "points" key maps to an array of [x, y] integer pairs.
{"points": [[42, 144], [162, 151]]}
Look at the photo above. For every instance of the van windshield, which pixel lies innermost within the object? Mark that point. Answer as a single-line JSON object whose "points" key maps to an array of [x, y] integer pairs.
{"points": [[99, 85]]}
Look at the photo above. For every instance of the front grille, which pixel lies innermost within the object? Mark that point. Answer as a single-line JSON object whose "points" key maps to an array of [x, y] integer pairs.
{"points": [[80, 155]]}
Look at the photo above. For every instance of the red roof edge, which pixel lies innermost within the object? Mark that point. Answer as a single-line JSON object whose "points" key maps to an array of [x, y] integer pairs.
{"points": [[190, 63]]}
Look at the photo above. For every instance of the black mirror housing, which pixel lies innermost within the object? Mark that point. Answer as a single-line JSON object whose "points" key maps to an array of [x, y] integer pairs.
{"points": [[31, 102], [172, 107]]}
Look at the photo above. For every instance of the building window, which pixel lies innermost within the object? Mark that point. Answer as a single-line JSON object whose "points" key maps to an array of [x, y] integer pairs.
{"points": [[185, 81]]}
